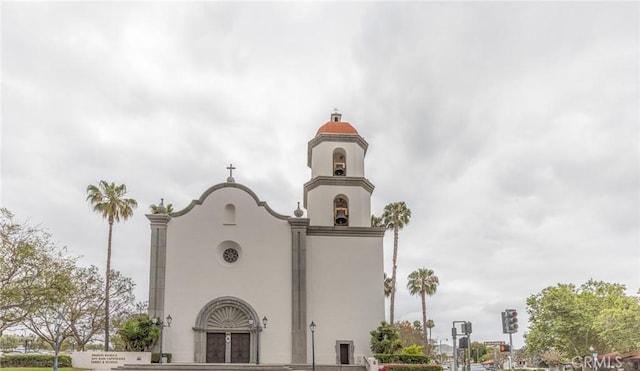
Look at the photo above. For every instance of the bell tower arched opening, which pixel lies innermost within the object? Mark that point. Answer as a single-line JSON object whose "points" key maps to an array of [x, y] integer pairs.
{"points": [[341, 211], [339, 162]]}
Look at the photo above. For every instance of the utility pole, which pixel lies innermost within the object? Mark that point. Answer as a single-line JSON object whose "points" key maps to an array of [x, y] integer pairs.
{"points": [[455, 351], [511, 353]]}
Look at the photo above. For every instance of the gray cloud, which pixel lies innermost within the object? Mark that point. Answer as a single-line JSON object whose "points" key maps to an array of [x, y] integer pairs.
{"points": [[510, 129]]}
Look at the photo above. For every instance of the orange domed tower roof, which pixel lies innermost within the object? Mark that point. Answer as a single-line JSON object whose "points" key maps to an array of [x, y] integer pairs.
{"points": [[336, 126]]}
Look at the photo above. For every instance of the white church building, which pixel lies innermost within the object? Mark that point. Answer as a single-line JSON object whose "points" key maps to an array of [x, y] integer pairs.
{"points": [[242, 282]]}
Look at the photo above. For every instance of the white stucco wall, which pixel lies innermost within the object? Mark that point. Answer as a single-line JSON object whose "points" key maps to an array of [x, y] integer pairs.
{"points": [[320, 205], [345, 296], [196, 273], [322, 159]]}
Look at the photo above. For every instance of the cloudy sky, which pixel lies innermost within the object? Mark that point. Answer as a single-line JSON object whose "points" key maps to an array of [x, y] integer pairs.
{"points": [[510, 129]]}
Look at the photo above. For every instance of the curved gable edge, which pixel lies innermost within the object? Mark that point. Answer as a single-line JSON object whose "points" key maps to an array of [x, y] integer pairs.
{"points": [[231, 185]]}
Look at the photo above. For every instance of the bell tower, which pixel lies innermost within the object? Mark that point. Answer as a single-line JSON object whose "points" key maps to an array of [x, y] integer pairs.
{"points": [[338, 194]]}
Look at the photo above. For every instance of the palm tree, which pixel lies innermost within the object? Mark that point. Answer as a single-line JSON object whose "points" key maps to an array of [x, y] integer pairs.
{"points": [[376, 221], [394, 217], [387, 285], [430, 325], [423, 282], [107, 199]]}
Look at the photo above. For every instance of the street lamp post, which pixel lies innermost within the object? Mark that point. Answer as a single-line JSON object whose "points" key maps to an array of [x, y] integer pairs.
{"points": [[161, 324], [58, 324], [312, 327], [258, 329], [440, 349]]}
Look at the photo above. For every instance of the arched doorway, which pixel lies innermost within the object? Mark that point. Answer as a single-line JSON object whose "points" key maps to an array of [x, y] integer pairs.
{"points": [[223, 334]]}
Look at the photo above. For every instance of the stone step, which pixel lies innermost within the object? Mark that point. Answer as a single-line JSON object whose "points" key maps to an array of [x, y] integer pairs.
{"points": [[203, 367]]}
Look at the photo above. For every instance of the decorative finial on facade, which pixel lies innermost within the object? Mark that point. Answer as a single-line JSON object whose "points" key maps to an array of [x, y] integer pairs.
{"points": [[298, 212], [231, 169], [161, 208], [336, 116]]}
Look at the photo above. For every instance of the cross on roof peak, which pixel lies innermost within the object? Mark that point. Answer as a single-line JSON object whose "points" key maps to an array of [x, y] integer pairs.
{"points": [[231, 168]]}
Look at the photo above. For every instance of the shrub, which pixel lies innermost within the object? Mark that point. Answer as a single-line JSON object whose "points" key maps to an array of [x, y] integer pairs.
{"points": [[411, 368], [402, 358], [138, 333], [385, 339], [34, 360], [414, 350], [155, 357]]}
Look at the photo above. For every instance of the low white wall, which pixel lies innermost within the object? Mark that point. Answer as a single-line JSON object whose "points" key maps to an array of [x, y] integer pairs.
{"points": [[108, 360]]}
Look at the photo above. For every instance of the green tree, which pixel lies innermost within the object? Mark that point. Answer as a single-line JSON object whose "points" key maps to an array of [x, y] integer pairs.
{"points": [[430, 325], [570, 319], [33, 270], [80, 307], [394, 217], [410, 333], [10, 342], [385, 339], [108, 200], [423, 282], [478, 352], [137, 334], [86, 304]]}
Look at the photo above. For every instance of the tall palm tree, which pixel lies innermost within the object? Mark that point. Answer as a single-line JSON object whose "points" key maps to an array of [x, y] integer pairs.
{"points": [[107, 199], [394, 217], [387, 285], [423, 282]]}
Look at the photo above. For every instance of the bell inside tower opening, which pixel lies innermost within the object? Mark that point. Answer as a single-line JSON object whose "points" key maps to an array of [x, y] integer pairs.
{"points": [[339, 162], [341, 211]]}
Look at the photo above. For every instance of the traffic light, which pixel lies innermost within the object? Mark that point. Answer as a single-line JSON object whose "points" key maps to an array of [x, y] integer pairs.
{"points": [[466, 328], [511, 318], [505, 329], [505, 347], [463, 343]]}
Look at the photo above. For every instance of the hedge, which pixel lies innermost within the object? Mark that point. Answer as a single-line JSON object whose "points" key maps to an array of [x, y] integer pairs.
{"points": [[402, 358], [34, 360], [411, 368]]}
